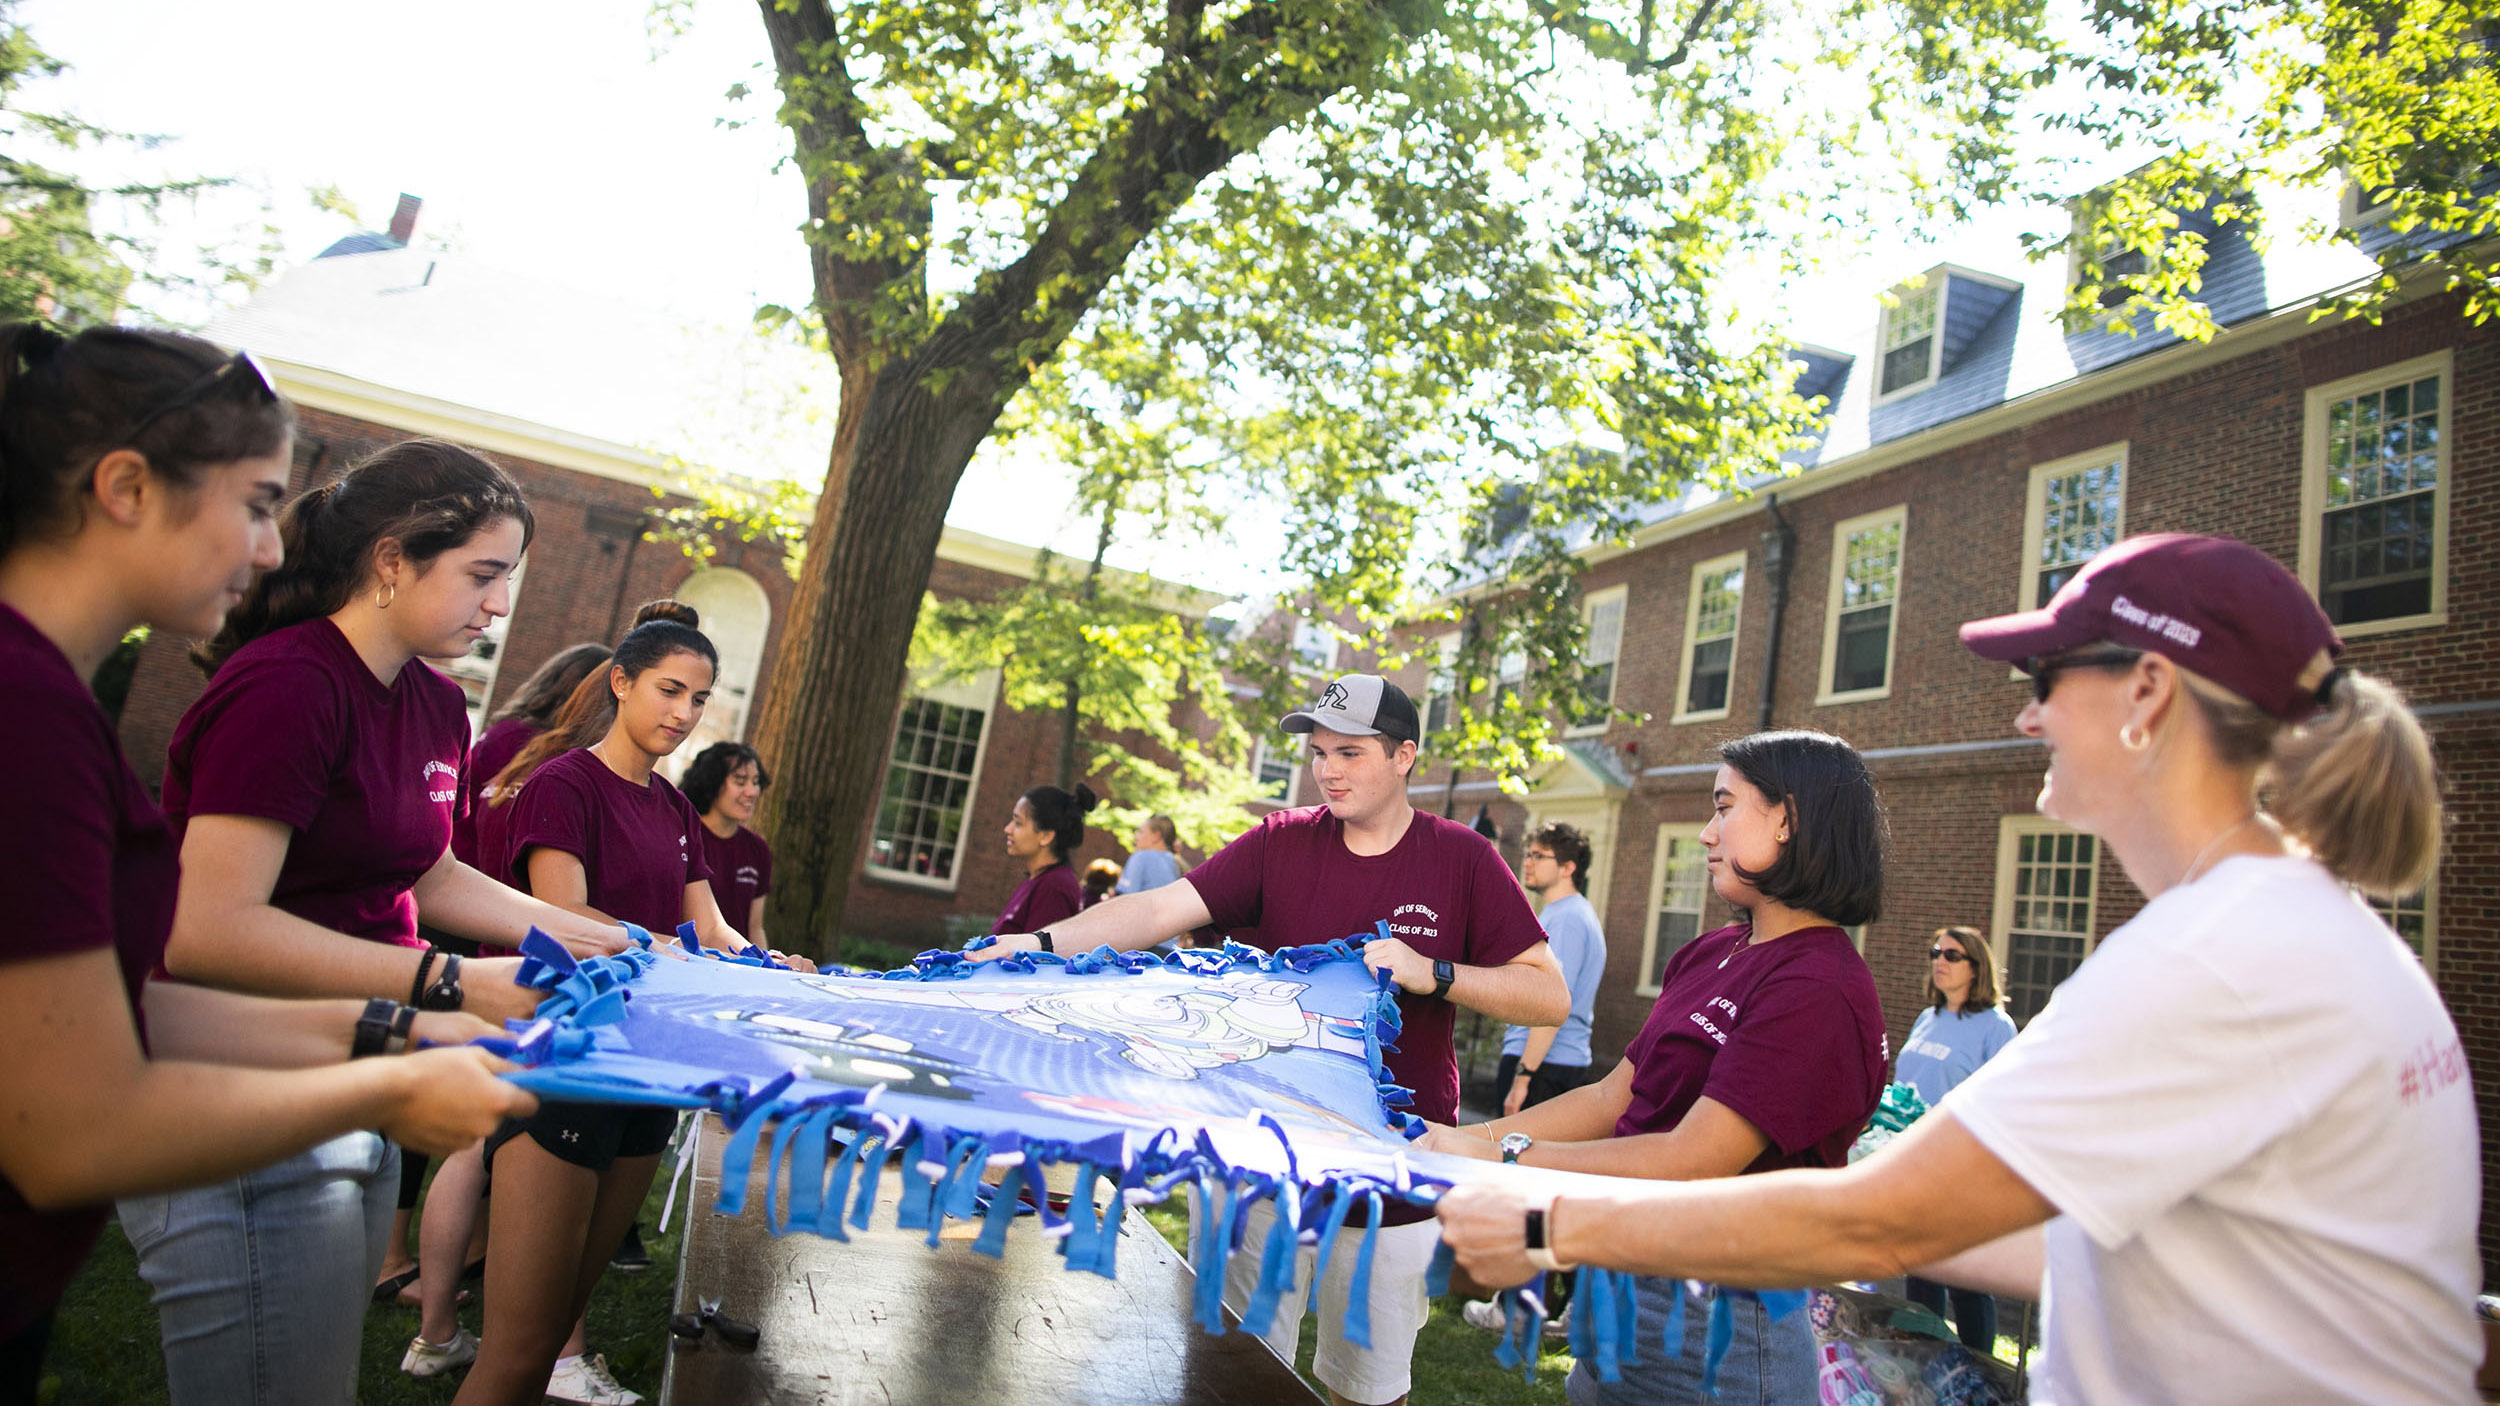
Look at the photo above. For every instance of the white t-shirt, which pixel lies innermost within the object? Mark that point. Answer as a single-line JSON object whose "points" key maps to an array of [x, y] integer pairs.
{"points": [[2252, 1112]]}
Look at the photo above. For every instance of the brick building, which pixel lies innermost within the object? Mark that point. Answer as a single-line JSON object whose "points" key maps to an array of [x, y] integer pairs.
{"points": [[375, 343], [1975, 456]]}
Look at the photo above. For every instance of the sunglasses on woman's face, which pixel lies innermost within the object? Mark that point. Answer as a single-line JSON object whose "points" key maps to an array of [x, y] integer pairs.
{"points": [[1947, 953], [2044, 672]]}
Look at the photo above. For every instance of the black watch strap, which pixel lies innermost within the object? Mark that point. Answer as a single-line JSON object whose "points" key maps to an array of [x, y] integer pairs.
{"points": [[1048, 944], [444, 994], [1444, 975], [373, 1028], [403, 1028]]}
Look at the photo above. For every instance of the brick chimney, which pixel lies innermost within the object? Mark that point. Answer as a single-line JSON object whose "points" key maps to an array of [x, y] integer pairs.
{"points": [[404, 219]]}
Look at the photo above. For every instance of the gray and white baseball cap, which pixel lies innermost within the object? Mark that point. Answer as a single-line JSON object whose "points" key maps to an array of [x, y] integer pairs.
{"points": [[1362, 705]]}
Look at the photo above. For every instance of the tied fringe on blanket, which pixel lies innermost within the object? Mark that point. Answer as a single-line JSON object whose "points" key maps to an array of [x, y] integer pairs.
{"points": [[1235, 1076]]}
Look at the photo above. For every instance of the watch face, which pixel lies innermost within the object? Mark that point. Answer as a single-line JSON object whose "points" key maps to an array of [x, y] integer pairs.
{"points": [[1515, 1143]]}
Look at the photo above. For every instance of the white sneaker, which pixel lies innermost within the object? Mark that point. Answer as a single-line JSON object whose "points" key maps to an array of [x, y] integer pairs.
{"points": [[427, 1359], [585, 1379], [1485, 1314]]}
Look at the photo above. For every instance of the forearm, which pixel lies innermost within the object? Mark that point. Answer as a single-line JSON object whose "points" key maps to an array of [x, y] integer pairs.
{"points": [[1585, 1113], [1540, 1044], [196, 1023], [2014, 1265], [161, 1126], [1526, 992], [1131, 922], [258, 948]]}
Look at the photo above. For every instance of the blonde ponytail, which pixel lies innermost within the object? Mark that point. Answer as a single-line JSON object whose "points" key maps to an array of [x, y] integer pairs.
{"points": [[2356, 784]]}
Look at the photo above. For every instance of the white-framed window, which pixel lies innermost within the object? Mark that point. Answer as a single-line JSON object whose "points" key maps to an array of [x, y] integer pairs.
{"points": [[477, 670], [1441, 685], [2046, 898], [1707, 676], [1314, 647], [736, 618], [932, 781], [1679, 885], [2415, 917], [1602, 614], [1276, 764], [1860, 619], [1909, 340], [2374, 506], [2073, 510], [1510, 675]]}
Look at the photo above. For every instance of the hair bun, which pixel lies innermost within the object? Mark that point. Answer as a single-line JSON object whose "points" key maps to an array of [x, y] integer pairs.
{"points": [[674, 611], [1082, 799]]}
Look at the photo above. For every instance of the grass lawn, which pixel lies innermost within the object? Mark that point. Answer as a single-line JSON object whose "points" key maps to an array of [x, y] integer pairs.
{"points": [[105, 1347]]}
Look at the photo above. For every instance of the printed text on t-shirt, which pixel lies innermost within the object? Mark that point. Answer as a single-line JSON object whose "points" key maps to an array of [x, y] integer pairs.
{"points": [[450, 773], [2430, 1071]]}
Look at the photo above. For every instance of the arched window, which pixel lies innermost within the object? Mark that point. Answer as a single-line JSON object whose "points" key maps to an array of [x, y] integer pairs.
{"points": [[735, 616]]}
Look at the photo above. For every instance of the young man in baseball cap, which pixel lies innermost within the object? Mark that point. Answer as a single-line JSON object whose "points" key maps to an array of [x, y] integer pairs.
{"points": [[1462, 934]]}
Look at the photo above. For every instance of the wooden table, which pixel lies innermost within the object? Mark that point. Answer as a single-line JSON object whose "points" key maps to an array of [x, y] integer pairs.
{"points": [[886, 1319]]}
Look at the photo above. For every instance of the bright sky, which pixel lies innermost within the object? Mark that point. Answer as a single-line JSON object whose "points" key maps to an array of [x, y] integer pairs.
{"points": [[548, 141]]}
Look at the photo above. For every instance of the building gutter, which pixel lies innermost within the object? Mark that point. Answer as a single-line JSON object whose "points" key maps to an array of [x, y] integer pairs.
{"points": [[1779, 549]]}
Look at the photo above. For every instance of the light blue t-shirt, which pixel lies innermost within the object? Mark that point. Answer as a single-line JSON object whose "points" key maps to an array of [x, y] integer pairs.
{"points": [[1580, 946], [1946, 1047], [1148, 869]]}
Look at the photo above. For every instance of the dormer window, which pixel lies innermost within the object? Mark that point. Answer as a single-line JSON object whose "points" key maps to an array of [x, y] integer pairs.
{"points": [[1907, 344]]}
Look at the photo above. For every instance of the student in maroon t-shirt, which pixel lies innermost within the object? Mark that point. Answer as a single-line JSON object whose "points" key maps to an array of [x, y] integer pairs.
{"points": [[143, 472], [532, 709], [595, 830], [1463, 935], [724, 784], [312, 788], [1765, 1048], [1047, 826]]}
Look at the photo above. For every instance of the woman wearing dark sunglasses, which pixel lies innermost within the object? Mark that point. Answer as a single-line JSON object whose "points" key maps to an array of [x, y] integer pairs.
{"points": [[1961, 1028], [2237, 1149], [139, 480]]}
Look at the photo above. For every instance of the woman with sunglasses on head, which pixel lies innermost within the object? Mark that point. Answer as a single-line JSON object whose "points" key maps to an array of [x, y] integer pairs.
{"points": [[140, 475], [2237, 1150], [312, 787], [595, 829], [724, 784], [1765, 1048], [1961, 1028]]}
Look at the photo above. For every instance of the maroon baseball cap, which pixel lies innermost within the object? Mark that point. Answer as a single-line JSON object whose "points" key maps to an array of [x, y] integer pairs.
{"points": [[2221, 608]]}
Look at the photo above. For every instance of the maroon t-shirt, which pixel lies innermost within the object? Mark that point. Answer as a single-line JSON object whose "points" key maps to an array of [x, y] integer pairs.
{"points": [[1787, 1034], [502, 742], [1051, 896], [742, 872], [636, 843], [87, 862], [1442, 889], [296, 729]]}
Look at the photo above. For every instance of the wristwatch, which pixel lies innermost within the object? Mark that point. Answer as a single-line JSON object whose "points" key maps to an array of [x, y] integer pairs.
{"points": [[1443, 974], [444, 994], [382, 1029], [1515, 1143], [1539, 1232], [1048, 945]]}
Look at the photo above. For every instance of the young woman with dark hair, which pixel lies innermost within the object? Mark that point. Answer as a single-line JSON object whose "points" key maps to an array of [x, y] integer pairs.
{"points": [[724, 784], [595, 829], [312, 787], [1765, 1048], [1047, 826], [140, 474], [2236, 1153]]}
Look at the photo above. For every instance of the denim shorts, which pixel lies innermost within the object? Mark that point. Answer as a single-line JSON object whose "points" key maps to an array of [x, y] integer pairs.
{"points": [[1769, 1362]]}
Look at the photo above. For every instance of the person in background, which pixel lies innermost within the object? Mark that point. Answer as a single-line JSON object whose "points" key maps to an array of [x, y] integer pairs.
{"points": [[1048, 824], [2237, 1152], [1101, 877], [1151, 860], [1765, 1050], [527, 715], [1961, 1028], [724, 783], [312, 785], [140, 477], [1539, 1062]]}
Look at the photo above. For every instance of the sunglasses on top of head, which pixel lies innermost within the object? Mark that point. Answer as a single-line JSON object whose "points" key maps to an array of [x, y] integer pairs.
{"points": [[240, 376], [2044, 672], [1949, 954]]}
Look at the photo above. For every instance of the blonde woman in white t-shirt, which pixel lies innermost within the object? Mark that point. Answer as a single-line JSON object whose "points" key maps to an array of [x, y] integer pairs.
{"points": [[2236, 1154]]}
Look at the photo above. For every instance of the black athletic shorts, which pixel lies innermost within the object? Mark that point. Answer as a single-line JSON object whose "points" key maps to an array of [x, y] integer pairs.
{"points": [[592, 1135]]}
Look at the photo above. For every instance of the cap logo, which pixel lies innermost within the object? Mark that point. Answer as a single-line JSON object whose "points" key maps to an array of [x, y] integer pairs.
{"points": [[2169, 627], [1335, 696]]}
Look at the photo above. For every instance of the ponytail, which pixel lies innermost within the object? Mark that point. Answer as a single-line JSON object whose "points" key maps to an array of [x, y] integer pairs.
{"points": [[661, 628], [66, 402], [2355, 785], [424, 494], [1062, 813]]}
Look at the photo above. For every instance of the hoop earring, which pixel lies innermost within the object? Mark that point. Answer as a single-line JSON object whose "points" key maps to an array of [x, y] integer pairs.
{"points": [[2133, 738], [384, 594]]}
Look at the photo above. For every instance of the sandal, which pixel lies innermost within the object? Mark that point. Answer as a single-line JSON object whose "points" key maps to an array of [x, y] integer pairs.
{"points": [[389, 1289]]}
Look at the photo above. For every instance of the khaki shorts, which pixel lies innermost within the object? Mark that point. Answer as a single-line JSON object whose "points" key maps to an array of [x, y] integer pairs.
{"points": [[1380, 1373]]}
